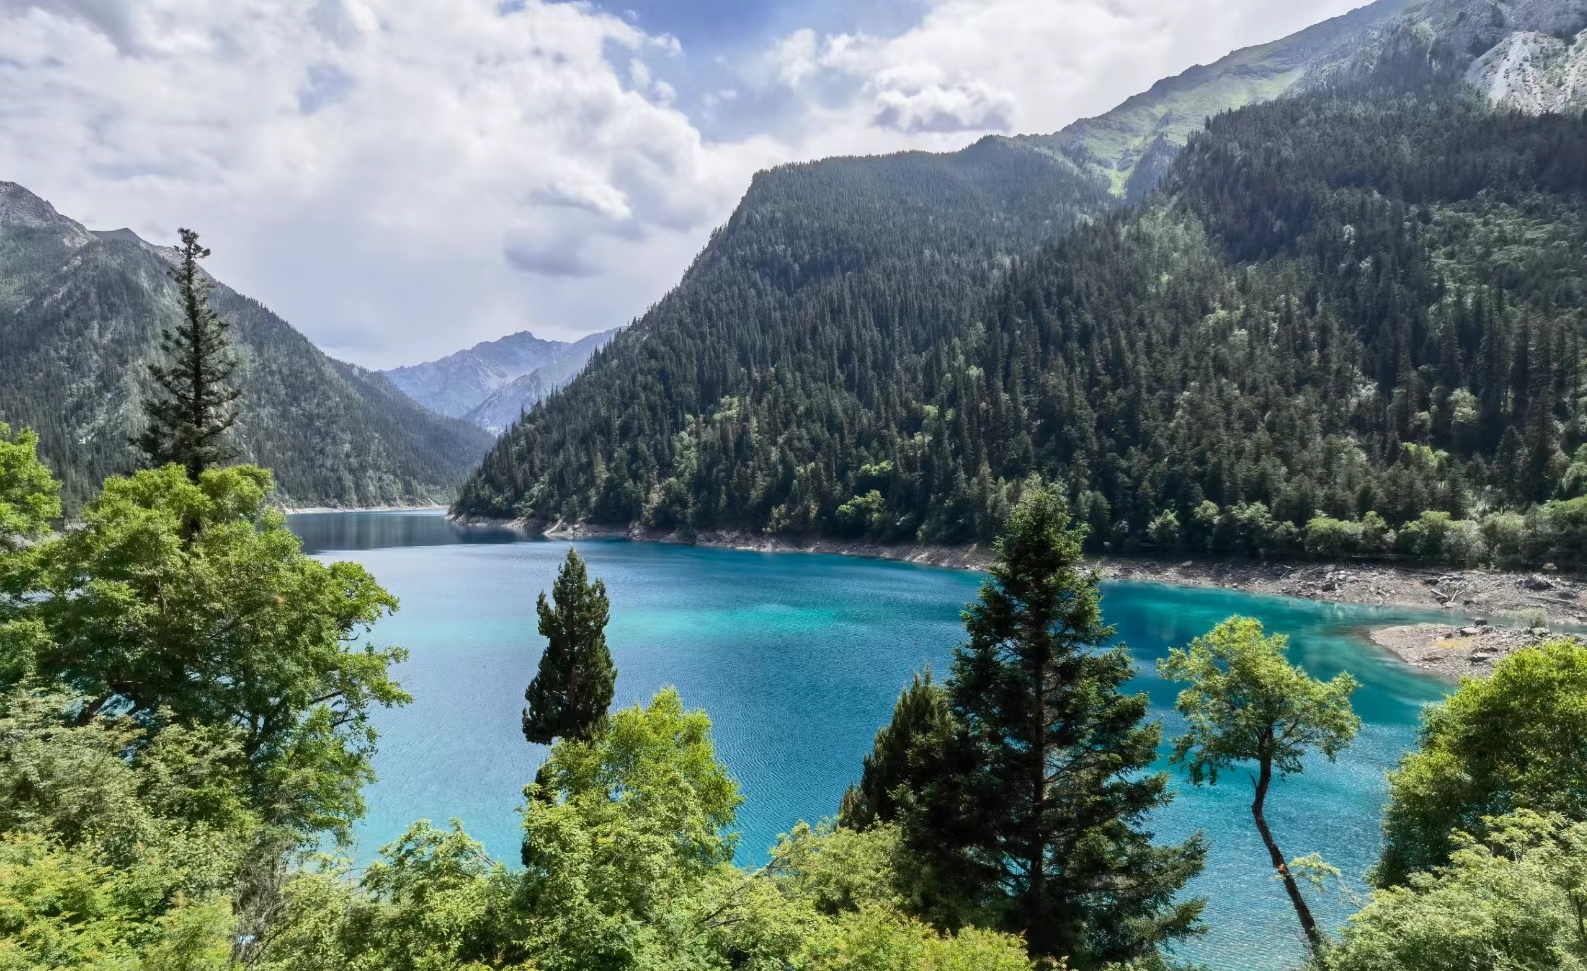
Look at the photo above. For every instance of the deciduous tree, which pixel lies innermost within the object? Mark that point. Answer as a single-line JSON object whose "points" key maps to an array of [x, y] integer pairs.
{"points": [[1246, 703], [232, 625], [1516, 740]]}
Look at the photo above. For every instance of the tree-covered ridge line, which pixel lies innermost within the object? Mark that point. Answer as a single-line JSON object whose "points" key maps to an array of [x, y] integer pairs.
{"points": [[80, 320], [1339, 304]]}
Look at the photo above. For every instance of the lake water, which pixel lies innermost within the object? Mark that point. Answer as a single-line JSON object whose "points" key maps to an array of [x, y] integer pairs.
{"points": [[798, 659]]}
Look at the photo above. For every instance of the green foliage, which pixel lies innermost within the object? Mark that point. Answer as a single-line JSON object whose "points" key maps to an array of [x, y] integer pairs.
{"points": [[118, 847], [574, 685], [863, 515], [29, 495], [1038, 813], [1246, 703], [432, 901], [836, 870], [228, 626], [1497, 745], [1512, 900], [879, 940], [195, 407], [29, 502], [619, 833], [906, 754], [1164, 530], [1333, 539], [60, 908]]}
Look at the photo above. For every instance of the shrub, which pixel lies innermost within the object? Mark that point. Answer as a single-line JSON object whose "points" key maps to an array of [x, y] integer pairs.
{"points": [[1164, 530], [1331, 538]]}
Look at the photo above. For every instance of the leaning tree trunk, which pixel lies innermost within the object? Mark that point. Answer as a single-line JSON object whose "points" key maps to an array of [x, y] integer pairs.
{"points": [[1307, 922]]}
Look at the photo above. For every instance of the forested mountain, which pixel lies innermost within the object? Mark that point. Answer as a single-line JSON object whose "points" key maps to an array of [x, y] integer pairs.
{"points": [[1357, 305], [497, 413], [833, 283], [80, 319]]}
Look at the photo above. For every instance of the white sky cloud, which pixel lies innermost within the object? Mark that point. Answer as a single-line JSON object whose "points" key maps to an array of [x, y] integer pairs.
{"points": [[401, 178]]}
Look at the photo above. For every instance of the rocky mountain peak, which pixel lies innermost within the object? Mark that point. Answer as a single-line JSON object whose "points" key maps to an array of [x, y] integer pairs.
{"points": [[22, 209]]}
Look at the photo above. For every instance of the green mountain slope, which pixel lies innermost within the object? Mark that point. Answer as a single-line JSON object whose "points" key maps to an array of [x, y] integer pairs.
{"points": [[825, 300], [80, 317], [1326, 281]]}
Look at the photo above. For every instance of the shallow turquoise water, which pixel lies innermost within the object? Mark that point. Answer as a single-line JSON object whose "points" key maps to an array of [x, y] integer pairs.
{"points": [[798, 660]]}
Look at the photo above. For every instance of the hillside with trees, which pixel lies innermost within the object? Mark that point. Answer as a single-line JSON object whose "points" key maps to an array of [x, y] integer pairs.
{"points": [[81, 315], [1348, 323]]}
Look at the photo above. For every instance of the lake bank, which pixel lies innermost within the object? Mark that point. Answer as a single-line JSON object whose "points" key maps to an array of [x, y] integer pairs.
{"points": [[1451, 653], [1508, 599]]}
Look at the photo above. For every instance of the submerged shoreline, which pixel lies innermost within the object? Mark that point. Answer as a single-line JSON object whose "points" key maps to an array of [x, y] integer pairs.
{"points": [[1518, 598], [1491, 613]]}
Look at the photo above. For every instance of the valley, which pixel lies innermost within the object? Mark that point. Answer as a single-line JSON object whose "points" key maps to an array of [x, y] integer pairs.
{"points": [[1149, 542]]}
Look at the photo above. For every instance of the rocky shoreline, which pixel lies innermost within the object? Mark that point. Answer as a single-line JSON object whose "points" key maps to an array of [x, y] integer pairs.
{"points": [[1453, 653], [1519, 597], [1510, 599]]}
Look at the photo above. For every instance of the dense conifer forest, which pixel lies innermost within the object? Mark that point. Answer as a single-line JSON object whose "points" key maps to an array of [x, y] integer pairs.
{"points": [[1347, 323]]}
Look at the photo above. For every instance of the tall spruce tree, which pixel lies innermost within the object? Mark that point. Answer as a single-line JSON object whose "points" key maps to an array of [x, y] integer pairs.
{"points": [[189, 417], [571, 692], [1039, 814]]}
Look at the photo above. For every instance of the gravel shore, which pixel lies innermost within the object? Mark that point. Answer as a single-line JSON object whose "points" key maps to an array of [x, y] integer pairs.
{"points": [[1507, 599], [1455, 652]]}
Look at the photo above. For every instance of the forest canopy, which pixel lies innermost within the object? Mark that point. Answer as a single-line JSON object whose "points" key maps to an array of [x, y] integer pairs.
{"points": [[1343, 326]]}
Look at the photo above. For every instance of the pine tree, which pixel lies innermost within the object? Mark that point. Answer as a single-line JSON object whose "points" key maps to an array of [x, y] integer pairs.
{"points": [[1041, 808], [188, 420], [903, 755], [573, 688]]}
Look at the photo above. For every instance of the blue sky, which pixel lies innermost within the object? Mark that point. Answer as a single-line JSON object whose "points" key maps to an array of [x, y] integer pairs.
{"points": [[402, 178]]}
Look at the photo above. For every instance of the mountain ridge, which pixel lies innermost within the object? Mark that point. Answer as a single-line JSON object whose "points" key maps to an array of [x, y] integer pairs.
{"points": [[80, 317], [507, 403], [1173, 108], [453, 385]]}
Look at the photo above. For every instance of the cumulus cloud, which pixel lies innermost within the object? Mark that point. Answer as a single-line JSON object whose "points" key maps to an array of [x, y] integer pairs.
{"points": [[972, 67], [400, 178], [331, 149]]}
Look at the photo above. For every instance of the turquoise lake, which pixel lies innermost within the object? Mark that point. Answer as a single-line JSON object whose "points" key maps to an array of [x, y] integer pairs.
{"points": [[798, 659]]}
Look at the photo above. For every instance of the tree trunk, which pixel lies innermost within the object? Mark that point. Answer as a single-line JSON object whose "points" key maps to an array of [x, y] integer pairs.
{"points": [[1041, 936], [1307, 922]]}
